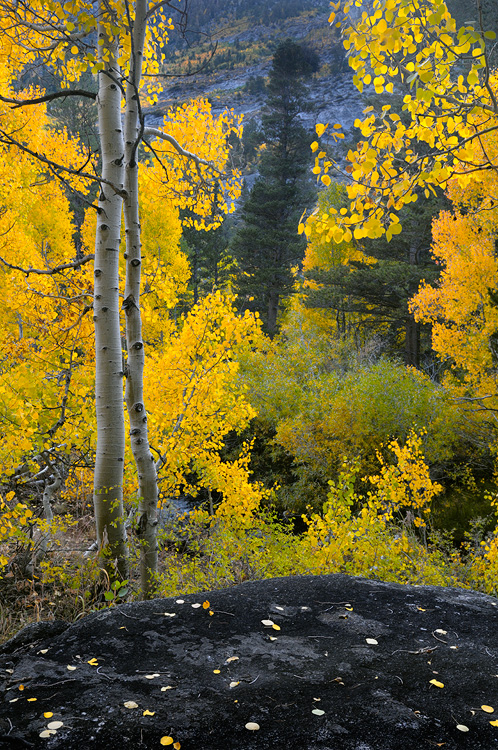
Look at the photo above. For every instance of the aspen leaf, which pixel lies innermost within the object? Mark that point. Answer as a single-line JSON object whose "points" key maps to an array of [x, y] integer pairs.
{"points": [[166, 740], [32, 700], [176, 745], [252, 726], [320, 129], [436, 683], [152, 676], [462, 727], [272, 638], [494, 723], [48, 714], [71, 668], [130, 704], [166, 687], [487, 709], [318, 712], [55, 725], [196, 606], [180, 601], [169, 614], [43, 651], [93, 662], [234, 684], [231, 658], [148, 713], [267, 623], [275, 627], [441, 632], [372, 641], [216, 671], [206, 605], [47, 733]]}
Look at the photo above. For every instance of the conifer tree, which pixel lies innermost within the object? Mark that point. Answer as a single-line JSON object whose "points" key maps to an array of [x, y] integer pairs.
{"points": [[267, 245]]}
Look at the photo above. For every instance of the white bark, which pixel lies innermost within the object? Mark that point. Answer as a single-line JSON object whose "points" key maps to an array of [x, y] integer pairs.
{"points": [[146, 470], [109, 460]]}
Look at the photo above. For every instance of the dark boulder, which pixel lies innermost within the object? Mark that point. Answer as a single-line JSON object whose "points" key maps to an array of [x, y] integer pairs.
{"points": [[348, 664]]}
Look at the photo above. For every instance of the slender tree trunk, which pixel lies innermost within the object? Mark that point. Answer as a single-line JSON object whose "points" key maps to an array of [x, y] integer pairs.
{"points": [[147, 478], [109, 459], [412, 328]]}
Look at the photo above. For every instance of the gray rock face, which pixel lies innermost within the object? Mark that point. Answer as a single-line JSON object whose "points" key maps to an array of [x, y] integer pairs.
{"points": [[325, 662]]}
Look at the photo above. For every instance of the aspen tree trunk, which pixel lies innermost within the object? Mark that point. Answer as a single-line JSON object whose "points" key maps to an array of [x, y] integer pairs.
{"points": [[146, 470], [109, 460]]}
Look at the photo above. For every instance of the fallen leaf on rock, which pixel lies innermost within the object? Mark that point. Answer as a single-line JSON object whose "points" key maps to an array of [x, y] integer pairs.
{"points": [[196, 606], [462, 727], [231, 658], [148, 713], [488, 709], [32, 700], [436, 683], [43, 651], [166, 687], [421, 609], [252, 726], [130, 704], [234, 684], [180, 601], [48, 714], [494, 723], [176, 745], [10, 671], [206, 605], [273, 638], [55, 725], [216, 671], [372, 641], [267, 623], [152, 676], [93, 662], [21, 687], [13, 700], [318, 712], [70, 667], [211, 613], [441, 632], [275, 627], [166, 740], [350, 609], [47, 733], [169, 614]]}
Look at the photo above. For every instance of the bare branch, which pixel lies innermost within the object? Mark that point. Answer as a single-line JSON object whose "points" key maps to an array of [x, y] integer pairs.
{"points": [[49, 271], [47, 98]]}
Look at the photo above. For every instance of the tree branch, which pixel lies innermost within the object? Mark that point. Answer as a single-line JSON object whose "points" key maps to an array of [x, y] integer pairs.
{"points": [[47, 98], [49, 271]]}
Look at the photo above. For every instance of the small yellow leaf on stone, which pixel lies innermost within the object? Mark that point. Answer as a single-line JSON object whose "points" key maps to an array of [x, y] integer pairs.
{"points": [[148, 713], [421, 609], [176, 745], [462, 727], [48, 714], [166, 740], [93, 662], [455, 648], [130, 704], [55, 725], [47, 733], [43, 651], [10, 671], [166, 687], [70, 667], [318, 712], [21, 687], [211, 613], [436, 683], [350, 609], [272, 638], [488, 709], [494, 723], [372, 641], [231, 658], [216, 671], [441, 632], [234, 684], [252, 726], [275, 627], [32, 700], [206, 605], [13, 700]]}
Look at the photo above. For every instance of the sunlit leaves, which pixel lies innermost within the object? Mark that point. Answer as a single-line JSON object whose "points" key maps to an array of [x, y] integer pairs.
{"points": [[415, 47]]}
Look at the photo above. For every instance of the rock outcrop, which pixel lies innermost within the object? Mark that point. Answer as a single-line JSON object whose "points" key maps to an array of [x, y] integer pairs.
{"points": [[319, 663]]}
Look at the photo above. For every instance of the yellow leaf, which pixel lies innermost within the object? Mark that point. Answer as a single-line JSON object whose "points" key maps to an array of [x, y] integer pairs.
{"points": [[148, 713], [494, 723], [93, 662], [275, 627], [206, 605], [436, 683], [48, 714], [166, 740], [216, 671], [320, 129], [488, 709]]}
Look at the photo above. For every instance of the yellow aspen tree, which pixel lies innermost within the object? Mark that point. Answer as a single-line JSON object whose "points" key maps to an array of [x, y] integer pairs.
{"points": [[412, 48], [119, 42]]}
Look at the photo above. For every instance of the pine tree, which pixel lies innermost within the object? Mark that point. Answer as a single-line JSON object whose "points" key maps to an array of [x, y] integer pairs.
{"points": [[267, 245]]}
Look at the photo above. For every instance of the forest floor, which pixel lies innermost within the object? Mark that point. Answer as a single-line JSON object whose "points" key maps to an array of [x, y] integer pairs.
{"points": [[316, 662]]}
